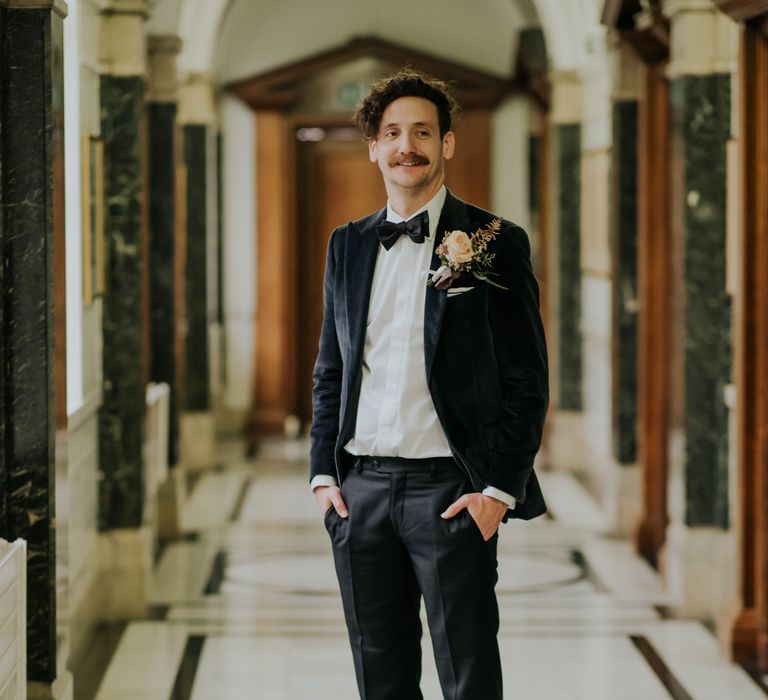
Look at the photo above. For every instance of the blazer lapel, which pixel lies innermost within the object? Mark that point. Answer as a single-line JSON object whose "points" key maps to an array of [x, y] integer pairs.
{"points": [[362, 246], [453, 217]]}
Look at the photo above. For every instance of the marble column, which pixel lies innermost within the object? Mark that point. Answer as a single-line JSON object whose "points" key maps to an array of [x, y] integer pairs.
{"points": [[566, 446], [701, 118], [164, 144], [126, 546], [567, 141], [704, 50], [198, 117], [167, 217], [623, 234], [31, 163]]}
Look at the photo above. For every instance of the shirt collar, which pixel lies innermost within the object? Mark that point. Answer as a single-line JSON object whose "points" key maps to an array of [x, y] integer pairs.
{"points": [[433, 207]]}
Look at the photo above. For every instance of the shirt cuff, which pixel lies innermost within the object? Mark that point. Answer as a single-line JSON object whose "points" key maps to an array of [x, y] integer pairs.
{"points": [[499, 495], [323, 480]]}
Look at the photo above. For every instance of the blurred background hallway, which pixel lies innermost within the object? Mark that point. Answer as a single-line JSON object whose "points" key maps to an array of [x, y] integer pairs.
{"points": [[170, 171]]}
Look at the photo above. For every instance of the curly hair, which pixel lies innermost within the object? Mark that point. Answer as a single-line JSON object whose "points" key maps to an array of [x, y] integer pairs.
{"points": [[407, 82]]}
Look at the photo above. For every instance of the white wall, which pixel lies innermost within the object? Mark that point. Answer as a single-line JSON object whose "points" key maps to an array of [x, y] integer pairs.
{"points": [[509, 161], [73, 222], [239, 214], [78, 505], [257, 35]]}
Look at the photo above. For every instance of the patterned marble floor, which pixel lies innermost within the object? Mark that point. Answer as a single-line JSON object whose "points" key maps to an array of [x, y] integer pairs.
{"points": [[246, 608]]}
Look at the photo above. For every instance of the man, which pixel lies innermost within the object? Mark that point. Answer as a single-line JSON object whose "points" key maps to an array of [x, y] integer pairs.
{"points": [[429, 401]]}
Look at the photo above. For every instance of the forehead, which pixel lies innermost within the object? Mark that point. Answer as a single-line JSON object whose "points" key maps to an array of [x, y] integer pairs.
{"points": [[408, 110]]}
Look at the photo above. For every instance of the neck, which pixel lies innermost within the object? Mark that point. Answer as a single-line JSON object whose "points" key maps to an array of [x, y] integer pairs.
{"points": [[407, 202]]}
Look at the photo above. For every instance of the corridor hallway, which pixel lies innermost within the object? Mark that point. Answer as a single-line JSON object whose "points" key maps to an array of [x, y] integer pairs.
{"points": [[246, 606]]}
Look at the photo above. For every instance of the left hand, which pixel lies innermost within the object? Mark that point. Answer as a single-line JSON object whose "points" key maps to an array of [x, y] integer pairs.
{"points": [[486, 511]]}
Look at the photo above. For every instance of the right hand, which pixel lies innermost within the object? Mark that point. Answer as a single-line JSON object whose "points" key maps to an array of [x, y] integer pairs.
{"points": [[330, 497]]}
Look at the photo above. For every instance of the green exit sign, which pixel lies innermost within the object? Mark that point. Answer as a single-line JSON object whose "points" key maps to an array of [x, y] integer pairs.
{"points": [[348, 95]]}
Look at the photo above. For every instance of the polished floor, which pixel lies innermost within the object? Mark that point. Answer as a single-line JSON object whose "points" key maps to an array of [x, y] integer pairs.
{"points": [[246, 607]]}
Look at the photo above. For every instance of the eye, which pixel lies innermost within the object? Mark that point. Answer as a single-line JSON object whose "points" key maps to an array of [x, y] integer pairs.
{"points": [[390, 133]]}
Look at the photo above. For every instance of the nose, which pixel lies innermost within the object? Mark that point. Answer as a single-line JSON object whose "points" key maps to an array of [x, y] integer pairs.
{"points": [[406, 143]]}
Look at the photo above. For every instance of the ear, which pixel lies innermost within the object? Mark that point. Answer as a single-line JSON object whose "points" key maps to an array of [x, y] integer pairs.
{"points": [[373, 150], [449, 143]]}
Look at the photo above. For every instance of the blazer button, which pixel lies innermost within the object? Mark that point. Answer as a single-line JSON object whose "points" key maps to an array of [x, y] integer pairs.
{"points": [[375, 463]]}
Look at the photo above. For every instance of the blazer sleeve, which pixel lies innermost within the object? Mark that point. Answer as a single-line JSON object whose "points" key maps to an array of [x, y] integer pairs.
{"points": [[521, 356], [326, 378]]}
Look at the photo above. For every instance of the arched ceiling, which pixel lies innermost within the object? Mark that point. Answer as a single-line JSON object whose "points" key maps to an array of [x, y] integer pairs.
{"points": [[235, 38]]}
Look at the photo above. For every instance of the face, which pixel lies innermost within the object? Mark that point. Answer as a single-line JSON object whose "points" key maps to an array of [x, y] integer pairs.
{"points": [[408, 147]]}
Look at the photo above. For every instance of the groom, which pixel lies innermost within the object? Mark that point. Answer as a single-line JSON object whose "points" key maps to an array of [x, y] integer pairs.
{"points": [[429, 398]]}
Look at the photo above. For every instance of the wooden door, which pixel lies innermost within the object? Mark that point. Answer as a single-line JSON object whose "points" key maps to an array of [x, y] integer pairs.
{"points": [[337, 183]]}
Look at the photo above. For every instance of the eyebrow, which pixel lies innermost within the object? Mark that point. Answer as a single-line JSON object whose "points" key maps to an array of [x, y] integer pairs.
{"points": [[388, 125]]}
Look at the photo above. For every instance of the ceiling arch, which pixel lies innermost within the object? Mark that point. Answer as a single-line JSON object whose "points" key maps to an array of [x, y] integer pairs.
{"points": [[204, 26]]}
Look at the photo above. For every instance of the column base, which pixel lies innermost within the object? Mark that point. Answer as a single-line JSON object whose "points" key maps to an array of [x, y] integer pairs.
{"points": [[61, 689], [197, 450], [86, 602], [126, 557], [649, 536], [688, 560], [169, 506], [565, 449], [621, 497]]}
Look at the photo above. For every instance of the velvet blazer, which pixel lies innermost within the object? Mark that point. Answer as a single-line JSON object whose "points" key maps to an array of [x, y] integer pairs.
{"points": [[485, 357]]}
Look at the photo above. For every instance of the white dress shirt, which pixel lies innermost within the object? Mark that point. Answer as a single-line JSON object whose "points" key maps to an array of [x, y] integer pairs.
{"points": [[395, 413]]}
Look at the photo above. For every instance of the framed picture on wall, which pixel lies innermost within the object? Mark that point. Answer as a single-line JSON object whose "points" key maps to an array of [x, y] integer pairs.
{"points": [[92, 169]]}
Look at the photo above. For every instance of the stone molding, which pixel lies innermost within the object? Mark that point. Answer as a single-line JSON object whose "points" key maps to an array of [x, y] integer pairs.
{"points": [[162, 53], [626, 74], [704, 41], [566, 98], [125, 7], [674, 7], [123, 45], [58, 6], [197, 100]]}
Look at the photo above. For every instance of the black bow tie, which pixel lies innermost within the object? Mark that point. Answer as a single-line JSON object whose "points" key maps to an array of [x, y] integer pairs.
{"points": [[416, 229]]}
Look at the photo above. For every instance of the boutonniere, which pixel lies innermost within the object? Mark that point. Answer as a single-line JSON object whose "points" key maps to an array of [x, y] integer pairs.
{"points": [[460, 253]]}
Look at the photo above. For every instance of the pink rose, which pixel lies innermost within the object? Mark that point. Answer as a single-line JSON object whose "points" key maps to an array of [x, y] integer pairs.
{"points": [[458, 247]]}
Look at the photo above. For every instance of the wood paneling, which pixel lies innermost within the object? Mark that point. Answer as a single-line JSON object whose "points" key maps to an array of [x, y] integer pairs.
{"points": [[743, 10], [338, 183], [654, 291], [275, 364], [750, 634], [468, 173]]}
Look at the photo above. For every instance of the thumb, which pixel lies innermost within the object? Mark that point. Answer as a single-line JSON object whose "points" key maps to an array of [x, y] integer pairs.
{"points": [[454, 508], [339, 505]]}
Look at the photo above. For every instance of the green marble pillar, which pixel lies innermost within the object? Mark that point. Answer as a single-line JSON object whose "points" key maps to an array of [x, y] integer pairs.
{"points": [[161, 117], [220, 257], [624, 262], [568, 173], [197, 361], [701, 115], [121, 415], [31, 126]]}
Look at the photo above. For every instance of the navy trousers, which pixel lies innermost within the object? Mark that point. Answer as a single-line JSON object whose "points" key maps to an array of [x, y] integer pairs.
{"points": [[393, 550]]}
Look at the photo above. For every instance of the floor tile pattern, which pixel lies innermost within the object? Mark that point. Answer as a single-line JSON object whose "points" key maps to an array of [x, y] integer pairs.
{"points": [[250, 608]]}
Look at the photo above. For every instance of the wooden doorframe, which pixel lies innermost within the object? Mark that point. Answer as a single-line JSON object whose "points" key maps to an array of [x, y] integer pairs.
{"points": [[646, 31], [274, 384], [654, 292], [749, 634], [750, 631]]}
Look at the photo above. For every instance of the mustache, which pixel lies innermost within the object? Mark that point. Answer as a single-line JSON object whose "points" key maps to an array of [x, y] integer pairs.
{"points": [[412, 160]]}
